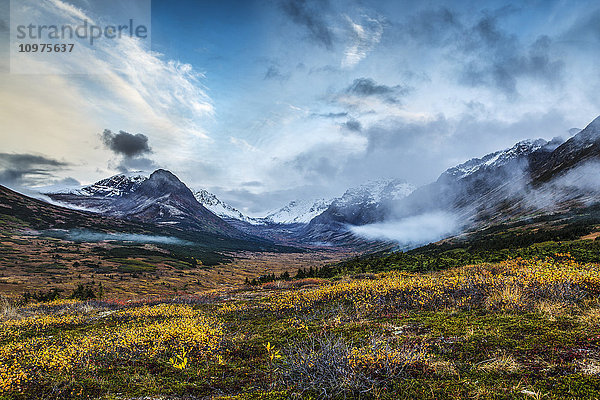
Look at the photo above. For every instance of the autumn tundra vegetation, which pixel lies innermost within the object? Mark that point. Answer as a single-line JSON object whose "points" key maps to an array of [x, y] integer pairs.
{"points": [[521, 328]]}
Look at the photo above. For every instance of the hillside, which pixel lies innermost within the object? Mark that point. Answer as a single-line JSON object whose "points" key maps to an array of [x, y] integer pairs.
{"points": [[515, 329]]}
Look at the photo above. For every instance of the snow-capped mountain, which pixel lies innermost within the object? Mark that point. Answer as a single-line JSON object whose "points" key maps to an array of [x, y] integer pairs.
{"points": [[298, 212], [369, 194], [160, 199], [115, 186], [357, 206], [222, 209], [374, 192], [497, 159]]}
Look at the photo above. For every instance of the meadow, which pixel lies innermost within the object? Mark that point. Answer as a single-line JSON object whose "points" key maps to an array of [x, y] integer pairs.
{"points": [[515, 329]]}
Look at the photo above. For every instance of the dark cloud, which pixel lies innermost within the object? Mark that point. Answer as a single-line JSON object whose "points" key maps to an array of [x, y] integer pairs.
{"points": [[126, 144], [485, 55], [27, 169], [309, 15], [353, 125], [365, 87], [497, 59]]}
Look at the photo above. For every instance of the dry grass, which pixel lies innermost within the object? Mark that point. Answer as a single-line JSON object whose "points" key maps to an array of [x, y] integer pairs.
{"points": [[300, 283], [591, 317], [443, 368], [551, 310], [332, 367], [503, 362], [507, 297], [7, 309]]}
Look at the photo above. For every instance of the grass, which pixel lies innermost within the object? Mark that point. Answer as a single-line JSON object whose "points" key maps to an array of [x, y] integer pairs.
{"points": [[133, 265], [512, 330]]}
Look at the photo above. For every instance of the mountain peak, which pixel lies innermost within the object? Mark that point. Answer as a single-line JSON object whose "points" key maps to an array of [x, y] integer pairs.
{"points": [[590, 132], [496, 159], [595, 123], [163, 182], [163, 174], [298, 211]]}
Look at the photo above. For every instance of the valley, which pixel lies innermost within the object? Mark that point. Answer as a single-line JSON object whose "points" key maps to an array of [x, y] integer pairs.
{"points": [[197, 300]]}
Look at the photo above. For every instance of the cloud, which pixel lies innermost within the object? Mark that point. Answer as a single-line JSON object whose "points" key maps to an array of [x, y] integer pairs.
{"points": [[137, 164], [412, 231], [331, 115], [497, 59], [367, 87], [154, 92], [353, 125], [586, 30], [432, 27], [482, 53], [124, 143], [308, 14], [252, 184], [585, 177], [316, 164], [364, 37], [274, 73], [414, 136], [28, 169]]}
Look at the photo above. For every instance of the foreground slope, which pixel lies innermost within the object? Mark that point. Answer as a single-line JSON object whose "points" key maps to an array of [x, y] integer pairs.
{"points": [[510, 330]]}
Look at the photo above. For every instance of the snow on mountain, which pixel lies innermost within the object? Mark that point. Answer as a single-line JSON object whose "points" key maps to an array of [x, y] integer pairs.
{"points": [[115, 186], [366, 195], [298, 212], [374, 192], [497, 159], [221, 208]]}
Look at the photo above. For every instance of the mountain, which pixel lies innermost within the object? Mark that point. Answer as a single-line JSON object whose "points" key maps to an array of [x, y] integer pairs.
{"points": [[363, 204], [24, 215], [115, 186], [298, 212], [222, 209], [582, 147], [357, 206], [532, 178], [495, 160], [159, 199]]}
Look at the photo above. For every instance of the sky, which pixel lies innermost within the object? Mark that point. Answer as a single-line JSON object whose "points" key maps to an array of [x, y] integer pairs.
{"points": [[267, 101]]}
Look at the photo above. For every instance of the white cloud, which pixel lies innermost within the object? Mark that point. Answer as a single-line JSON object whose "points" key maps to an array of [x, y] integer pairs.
{"points": [[70, 10], [363, 39], [412, 231], [128, 88]]}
